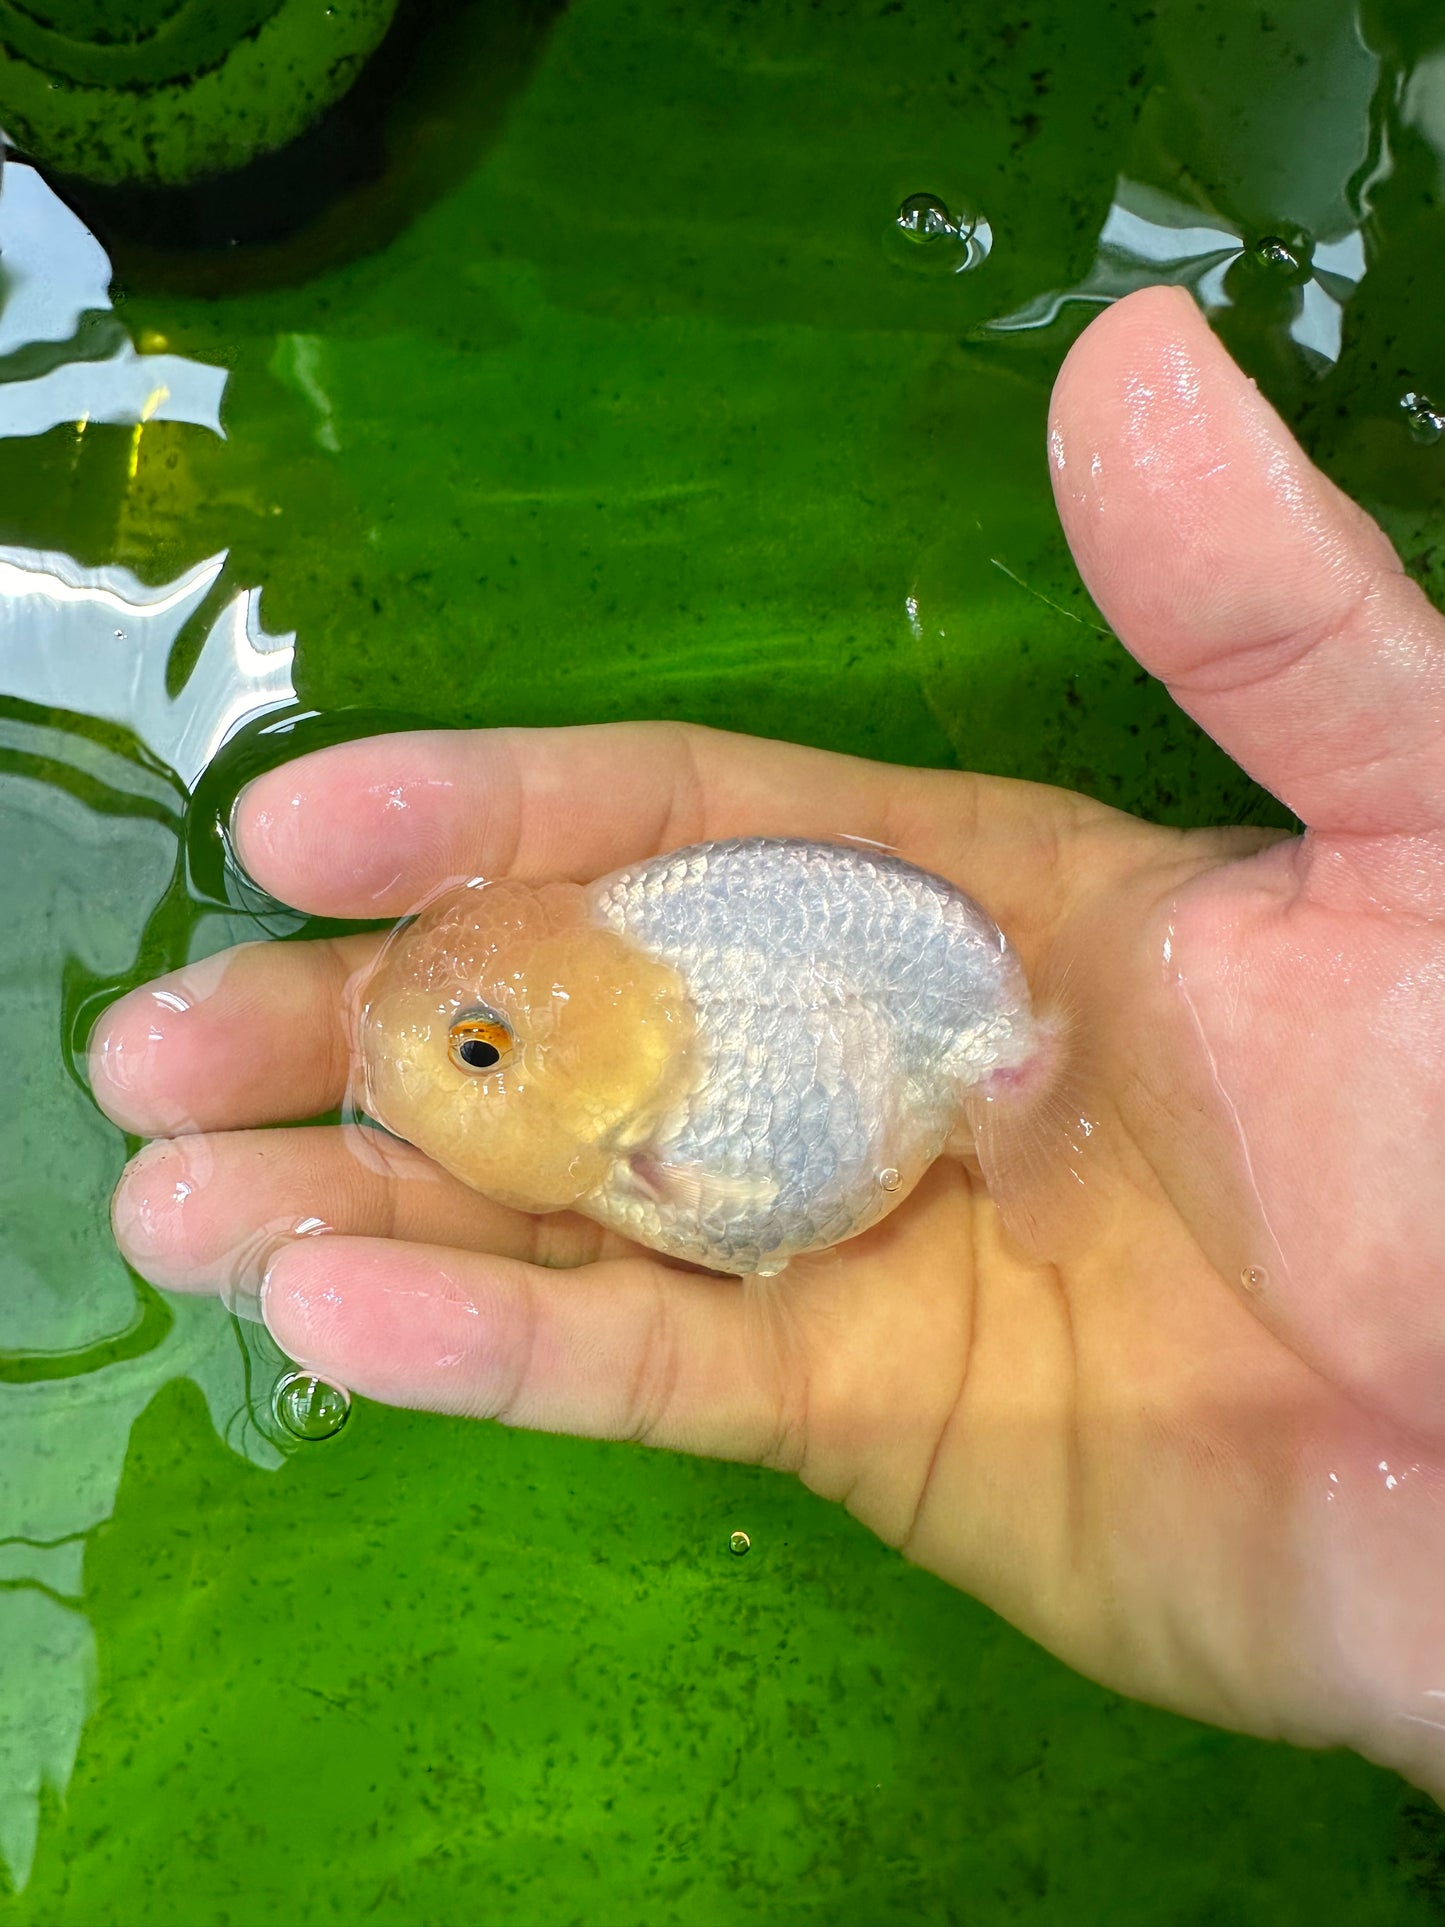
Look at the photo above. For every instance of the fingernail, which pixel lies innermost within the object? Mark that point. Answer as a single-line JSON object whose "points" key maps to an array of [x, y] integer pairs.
{"points": [[119, 1052], [245, 1295], [95, 1046], [137, 1217], [150, 1210], [100, 1017], [233, 832], [243, 1299], [263, 1294]]}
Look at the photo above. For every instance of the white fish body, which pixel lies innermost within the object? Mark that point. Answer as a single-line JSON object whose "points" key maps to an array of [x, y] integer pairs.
{"points": [[845, 1002]]}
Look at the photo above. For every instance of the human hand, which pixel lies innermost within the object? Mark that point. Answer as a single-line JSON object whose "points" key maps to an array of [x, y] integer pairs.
{"points": [[1200, 1458]]}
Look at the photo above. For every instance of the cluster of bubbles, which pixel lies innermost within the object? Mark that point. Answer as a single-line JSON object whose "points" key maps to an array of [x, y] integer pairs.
{"points": [[927, 237], [1291, 260]]}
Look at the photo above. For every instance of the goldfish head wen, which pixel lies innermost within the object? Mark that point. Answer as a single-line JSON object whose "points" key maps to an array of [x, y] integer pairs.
{"points": [[519, 1044]]}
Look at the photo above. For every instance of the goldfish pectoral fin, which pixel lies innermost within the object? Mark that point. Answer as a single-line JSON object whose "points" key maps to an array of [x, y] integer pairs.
{"points": [[695, 1189]]}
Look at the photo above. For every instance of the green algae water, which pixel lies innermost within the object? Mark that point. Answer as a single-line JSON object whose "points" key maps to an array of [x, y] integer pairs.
{"points": [[637, 360]]}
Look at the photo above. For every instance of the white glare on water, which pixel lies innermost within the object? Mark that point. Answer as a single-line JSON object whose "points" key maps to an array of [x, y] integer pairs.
{"points": [[97, 642], [1148, 237], [56, 275]]}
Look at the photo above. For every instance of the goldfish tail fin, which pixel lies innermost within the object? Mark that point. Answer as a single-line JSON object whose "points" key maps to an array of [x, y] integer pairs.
{"points": [[1035, 1133], [775, 1334]]}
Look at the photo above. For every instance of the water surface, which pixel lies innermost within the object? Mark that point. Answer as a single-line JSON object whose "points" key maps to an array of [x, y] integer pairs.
{"points": [[609, 392]]}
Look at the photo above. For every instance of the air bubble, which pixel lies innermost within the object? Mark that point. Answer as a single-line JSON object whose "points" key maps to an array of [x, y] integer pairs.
{"points": [[1423, 419], [928, 238], [889, 1179], [1282, 260], [1272, 252], [310, 1408], [925, 219], [1253, 1279], [739, 1544]]}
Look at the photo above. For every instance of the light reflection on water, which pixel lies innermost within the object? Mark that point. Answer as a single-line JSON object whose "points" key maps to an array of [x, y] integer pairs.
{"points": [[1149, 238], [123, 633], [1215, 170], [91, 831], [56, 295]]}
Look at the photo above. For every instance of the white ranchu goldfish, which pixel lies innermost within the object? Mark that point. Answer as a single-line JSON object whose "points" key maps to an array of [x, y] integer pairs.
{"points": [[732, 1054]]}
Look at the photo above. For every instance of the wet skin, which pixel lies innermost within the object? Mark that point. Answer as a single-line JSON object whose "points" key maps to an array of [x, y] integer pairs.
{"points": [[1202, 1456]]}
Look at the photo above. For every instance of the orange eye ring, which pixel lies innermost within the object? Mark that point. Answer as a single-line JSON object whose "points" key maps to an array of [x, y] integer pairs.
{"points": [[478, 1040]]}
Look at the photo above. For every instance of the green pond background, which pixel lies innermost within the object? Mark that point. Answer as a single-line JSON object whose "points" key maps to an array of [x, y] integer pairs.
{"points": [[605, 386]]}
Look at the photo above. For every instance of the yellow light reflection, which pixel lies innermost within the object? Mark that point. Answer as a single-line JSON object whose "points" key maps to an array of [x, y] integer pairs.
{"points": [[153, 402]]}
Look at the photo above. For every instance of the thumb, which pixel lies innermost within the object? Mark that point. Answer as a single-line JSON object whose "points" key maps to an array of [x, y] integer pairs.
{"points": [[1273, 608]]}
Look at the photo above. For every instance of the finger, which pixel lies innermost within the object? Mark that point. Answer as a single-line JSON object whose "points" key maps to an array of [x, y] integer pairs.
{"points": [[1272, 606], [368, 828], [256, 1035], [207, 1213], [624, 1349]]}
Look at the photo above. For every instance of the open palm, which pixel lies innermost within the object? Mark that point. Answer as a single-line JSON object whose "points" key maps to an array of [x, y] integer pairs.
{"points": [[1202, 1457]]}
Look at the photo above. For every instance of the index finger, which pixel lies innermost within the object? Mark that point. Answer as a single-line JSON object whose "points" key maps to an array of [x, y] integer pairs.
{"points": [[367, 829]]}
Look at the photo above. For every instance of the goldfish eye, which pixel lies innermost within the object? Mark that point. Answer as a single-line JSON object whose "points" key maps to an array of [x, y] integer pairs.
{"points": [[479, 1040]]}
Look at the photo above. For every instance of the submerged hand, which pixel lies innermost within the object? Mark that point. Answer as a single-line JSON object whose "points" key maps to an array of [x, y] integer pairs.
{"points": [[1202, 1458]]}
